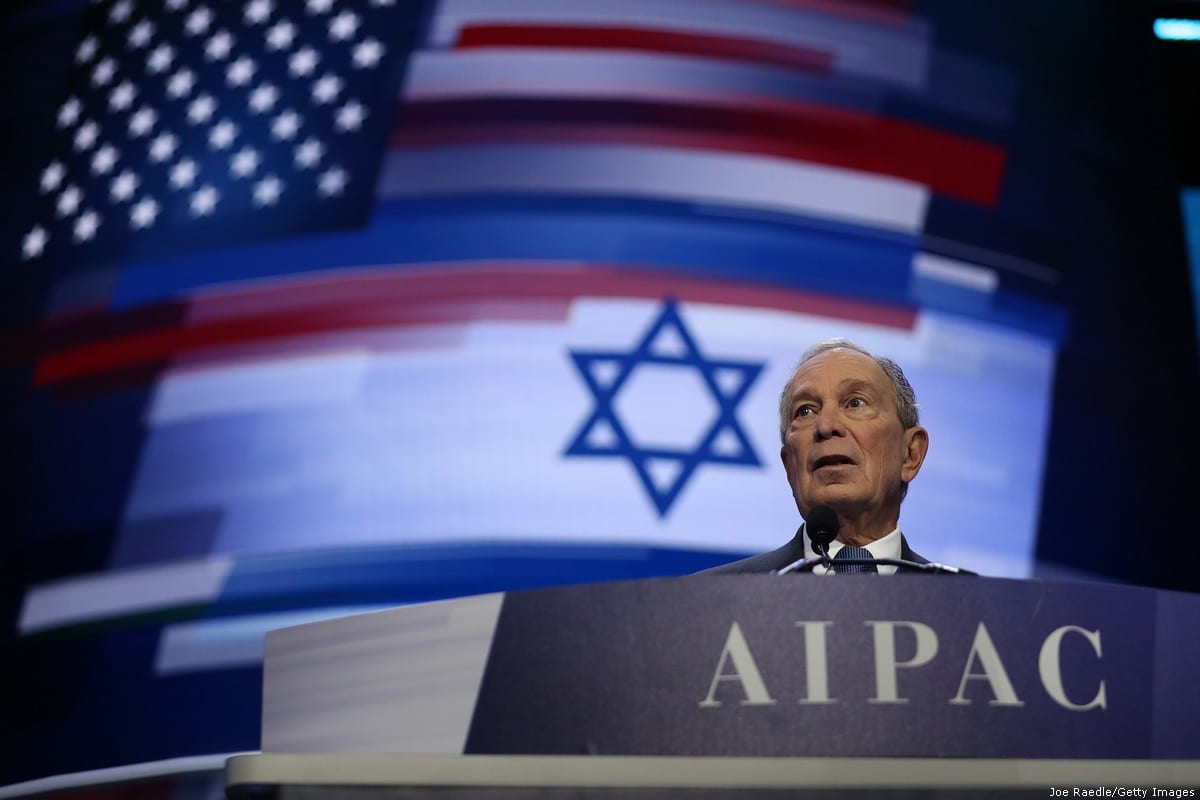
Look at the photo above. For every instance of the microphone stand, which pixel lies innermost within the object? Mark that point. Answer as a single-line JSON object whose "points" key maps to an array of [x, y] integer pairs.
{"points": [[808, 565]]}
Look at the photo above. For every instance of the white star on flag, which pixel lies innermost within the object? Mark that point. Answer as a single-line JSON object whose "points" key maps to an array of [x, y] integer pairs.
{"points": [[122, 96], [240, 72], [180, 84], [309, 153], [303, 62], [326, 89], [281, 35], [244, 163], [222, 135], [52, 176], [86, 136], [124, 185], [267, 191], [201, 109], [143, 214], [204, 201], [218, 46], [367, 53], [87, 49], [332, 182], [257, 11], [140, 34], [104, 159], [86, 226], [263, 98], [103, 73], [121, 11], [142, 121], [34, 243], [198, 21], [68, 114], [160, 59], [343, 26], [163, 147], [350, 116], [183, 174], [68, 201], [285, 125]]}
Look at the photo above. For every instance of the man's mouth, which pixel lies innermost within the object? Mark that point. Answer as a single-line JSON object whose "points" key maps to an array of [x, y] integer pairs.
{"points": [[832, 461]]}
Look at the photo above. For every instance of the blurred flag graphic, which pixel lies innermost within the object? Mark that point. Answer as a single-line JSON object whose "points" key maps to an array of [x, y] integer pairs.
{"points": [[378, 301]]}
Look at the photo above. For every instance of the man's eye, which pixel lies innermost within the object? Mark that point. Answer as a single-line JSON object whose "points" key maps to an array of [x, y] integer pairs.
{"points": [[805, 411], [856, 402]]}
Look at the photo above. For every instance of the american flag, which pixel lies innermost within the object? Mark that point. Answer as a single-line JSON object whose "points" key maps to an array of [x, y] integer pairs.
{"points": [[194, 122]]}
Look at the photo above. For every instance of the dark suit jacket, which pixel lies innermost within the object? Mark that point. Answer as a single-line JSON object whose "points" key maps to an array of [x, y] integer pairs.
{"points": [[791, 552]]}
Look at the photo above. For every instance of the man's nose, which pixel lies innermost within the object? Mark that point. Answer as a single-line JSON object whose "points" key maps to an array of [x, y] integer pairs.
{"points": [[829, 423]]}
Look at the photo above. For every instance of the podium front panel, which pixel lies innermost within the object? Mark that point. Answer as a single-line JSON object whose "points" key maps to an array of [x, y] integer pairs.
{"points": [[795, 666]]}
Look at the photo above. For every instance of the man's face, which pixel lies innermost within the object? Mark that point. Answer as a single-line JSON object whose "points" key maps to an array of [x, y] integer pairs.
{"points": [[844, 445]]}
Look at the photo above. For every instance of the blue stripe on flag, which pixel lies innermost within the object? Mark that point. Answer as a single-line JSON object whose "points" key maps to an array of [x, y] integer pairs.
{"points": [[738, 245]]}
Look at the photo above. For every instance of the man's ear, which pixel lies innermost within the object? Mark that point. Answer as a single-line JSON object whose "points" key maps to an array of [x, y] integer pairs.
{"points": [[787, 464], [916, 445]]}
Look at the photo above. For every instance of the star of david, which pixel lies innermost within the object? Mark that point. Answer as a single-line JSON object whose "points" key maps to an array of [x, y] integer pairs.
{"points": [[664, 470]]}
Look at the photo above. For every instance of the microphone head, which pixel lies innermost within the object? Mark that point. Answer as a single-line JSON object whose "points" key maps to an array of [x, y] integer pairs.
{"points": [[821, 525]]}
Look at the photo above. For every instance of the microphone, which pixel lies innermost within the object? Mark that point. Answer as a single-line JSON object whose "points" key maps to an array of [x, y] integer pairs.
{"points": [[822, 525]]}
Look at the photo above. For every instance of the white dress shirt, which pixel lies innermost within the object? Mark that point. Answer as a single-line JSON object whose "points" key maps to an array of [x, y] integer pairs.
{"points": [[886, 547]]}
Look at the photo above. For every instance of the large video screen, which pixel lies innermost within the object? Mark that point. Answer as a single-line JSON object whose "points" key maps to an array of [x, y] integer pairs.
{"points": [[322, 307]]}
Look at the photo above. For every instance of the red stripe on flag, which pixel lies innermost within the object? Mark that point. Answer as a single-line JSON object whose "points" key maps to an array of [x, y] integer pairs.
{"points": [[158, 346], [387, 299], [27, 343], [948, 164], [646, 40], [413, 285], [886, 12]]}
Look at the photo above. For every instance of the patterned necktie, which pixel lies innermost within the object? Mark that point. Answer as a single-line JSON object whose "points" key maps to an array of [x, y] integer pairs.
{"points": [[853, 552]]}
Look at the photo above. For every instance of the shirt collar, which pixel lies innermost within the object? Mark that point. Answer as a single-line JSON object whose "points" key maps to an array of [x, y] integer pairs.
{"points": [[884, 547]]}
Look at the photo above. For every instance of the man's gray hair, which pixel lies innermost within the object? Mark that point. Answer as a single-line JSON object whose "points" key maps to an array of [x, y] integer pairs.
{"points": [[906, 398]]}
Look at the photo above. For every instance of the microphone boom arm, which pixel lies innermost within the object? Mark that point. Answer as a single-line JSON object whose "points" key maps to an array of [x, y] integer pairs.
{"points": [[807, 565]]}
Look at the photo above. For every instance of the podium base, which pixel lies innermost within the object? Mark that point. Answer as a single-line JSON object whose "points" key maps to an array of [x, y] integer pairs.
{"points": [[279, 776]]}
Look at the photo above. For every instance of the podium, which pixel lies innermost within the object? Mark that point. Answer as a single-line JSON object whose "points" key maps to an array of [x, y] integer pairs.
{"points": [[734, 685]]}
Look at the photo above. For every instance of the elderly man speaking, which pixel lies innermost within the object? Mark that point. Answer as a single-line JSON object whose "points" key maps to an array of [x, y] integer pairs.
{"points": [[851, 445]]}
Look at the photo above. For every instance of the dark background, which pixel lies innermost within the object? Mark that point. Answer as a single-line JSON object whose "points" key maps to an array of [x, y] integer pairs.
{"points": [[1121, 469]]}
